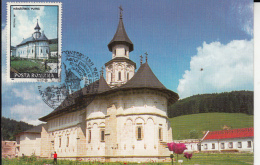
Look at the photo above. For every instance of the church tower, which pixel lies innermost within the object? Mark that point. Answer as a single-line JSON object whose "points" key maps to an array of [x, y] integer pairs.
{"points": [[37, 32], [120, 69]]}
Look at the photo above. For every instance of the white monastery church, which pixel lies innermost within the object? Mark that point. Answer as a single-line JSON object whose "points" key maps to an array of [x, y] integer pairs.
{"points": [[34, 47], [126, 120]]}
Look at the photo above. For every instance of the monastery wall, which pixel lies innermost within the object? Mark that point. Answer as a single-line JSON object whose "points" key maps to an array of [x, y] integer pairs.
{"points": [[121, 116], [29, 144]]}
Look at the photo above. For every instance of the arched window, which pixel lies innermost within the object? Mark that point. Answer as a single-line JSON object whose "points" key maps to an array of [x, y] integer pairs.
{"points": [[46, 50], [68, 140], [32, 50], [119, 75], [41, 50], [111, 77], [127, 76], [89, 136], [160, 134], [102, 137], [125, 52], [115, 52], [139, 133]]}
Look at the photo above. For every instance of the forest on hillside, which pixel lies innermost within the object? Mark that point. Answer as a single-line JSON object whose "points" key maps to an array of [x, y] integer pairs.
{"points": [[10, 127], [228, 102]]}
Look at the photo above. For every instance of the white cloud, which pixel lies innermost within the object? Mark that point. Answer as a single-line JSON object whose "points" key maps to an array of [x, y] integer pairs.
{"points": [[24, 25], [29, 113], [27, 94], [225, 68]]}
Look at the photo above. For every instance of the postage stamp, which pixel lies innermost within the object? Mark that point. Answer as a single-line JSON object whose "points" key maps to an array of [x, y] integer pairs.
{"points": [[33, 42]]}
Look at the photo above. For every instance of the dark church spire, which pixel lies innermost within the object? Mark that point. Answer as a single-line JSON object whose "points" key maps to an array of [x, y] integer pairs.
{"points": [[37, 27], [121, 36]]}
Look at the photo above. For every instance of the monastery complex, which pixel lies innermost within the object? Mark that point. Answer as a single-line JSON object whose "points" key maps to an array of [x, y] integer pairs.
{"points": [[126, 120]]}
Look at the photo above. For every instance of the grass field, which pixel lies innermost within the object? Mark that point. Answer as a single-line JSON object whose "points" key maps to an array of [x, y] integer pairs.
{"points": [[198, 159], [182, 125], [29, 66]]}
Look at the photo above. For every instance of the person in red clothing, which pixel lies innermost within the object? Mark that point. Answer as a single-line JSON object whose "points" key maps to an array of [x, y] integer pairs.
{"points": [[55, 157]]}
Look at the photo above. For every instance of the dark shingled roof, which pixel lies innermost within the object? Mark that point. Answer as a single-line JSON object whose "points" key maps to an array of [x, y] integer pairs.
{"points": [[88, 93], [42, 38], [144, 78], [30, 39], [37, 26], [35, 129], [121, 37]]}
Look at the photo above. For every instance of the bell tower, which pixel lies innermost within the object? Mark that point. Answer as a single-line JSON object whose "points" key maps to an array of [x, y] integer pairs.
{"points": [[120, 69]]}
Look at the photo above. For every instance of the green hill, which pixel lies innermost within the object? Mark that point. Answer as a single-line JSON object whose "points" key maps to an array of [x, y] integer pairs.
{"points": [[10, 127], [227, 102], [194, 126]]}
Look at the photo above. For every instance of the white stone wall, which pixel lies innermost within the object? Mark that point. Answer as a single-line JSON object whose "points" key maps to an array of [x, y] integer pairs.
{"points": [[38, 50], [65, 141], [147, 109], [206, 145], [30, 143], [120, 51], [64, 121], [126, 70]]}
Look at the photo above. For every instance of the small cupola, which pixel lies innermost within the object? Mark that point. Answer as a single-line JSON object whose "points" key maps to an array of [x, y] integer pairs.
{"points": [[120, 45]]}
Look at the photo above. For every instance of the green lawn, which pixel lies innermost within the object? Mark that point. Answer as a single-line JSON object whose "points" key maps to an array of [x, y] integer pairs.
{"points": [[28, 66], [198, 159], [182, 125]]}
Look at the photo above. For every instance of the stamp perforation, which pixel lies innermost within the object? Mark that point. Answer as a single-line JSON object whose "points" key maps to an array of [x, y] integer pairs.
{"points": [[44, 77]]}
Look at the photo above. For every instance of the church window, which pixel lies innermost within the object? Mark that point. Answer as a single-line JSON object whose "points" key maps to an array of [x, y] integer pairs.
{"points": [[119, 75], [160, 134], [139, 133], [111, 76], [68, 140], [127, 76], [89, 136], [102, 135], [115, 52], [60, 142], [125, 51]]}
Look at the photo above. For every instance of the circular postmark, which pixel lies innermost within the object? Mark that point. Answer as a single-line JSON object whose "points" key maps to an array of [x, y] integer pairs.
{"points": [[80, 78]]}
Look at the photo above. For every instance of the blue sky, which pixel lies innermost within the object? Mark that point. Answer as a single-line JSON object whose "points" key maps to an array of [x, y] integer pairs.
{"points": [[25, 22], [180, 36]]}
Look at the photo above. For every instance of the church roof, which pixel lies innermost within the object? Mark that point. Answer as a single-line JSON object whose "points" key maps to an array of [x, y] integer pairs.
{"points": [[121, 37], [144, 77], [87, 95], [37, 27], [35, 129], [32, 39], [42, 38]]}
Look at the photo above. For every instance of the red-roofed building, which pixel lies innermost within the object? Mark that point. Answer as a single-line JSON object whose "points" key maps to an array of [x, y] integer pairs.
{"points": [[241, 139]]}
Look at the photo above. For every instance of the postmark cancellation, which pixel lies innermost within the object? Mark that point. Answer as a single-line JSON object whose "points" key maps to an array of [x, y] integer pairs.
{"points": [[33, 41]]}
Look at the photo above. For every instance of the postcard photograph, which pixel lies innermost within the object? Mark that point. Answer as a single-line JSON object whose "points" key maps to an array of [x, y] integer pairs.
{"points": [[141, 82]]}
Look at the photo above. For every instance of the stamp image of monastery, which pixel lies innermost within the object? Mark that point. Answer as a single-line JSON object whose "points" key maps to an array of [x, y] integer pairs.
{"points": [[34, 47], [126, 120]]}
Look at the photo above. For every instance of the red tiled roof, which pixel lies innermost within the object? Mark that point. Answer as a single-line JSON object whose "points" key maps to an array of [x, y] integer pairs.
{"points": [[228, 134]]}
